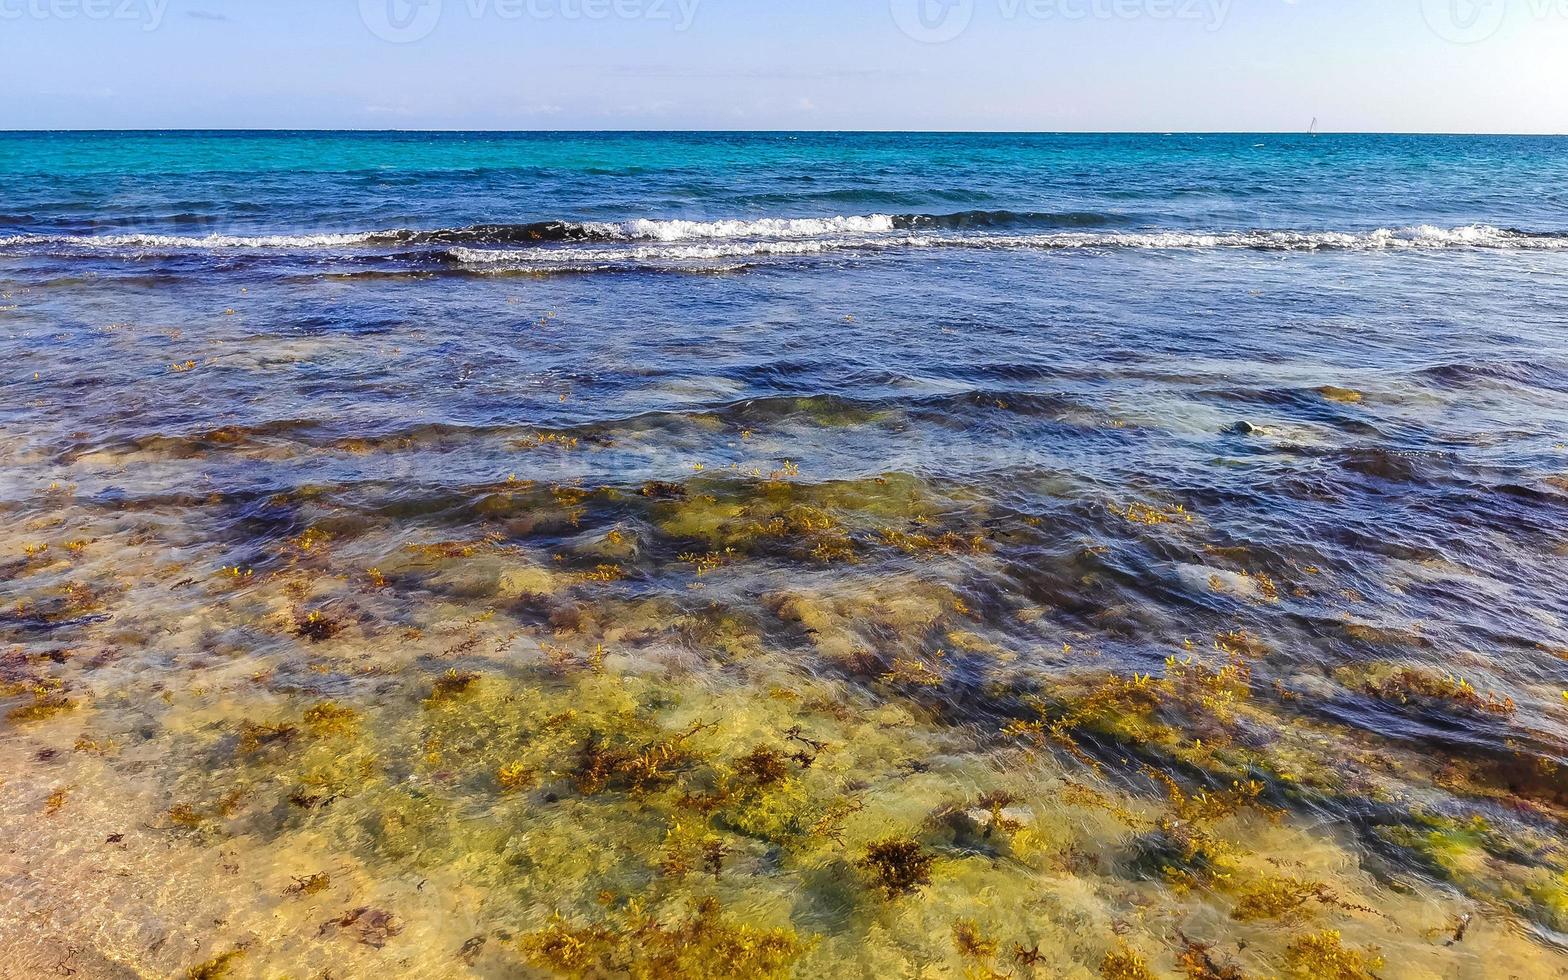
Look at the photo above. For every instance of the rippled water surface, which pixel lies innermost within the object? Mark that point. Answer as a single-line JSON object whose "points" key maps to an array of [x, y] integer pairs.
{"points": [[783, 555]]}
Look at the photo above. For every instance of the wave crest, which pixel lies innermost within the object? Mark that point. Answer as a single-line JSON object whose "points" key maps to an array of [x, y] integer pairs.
{"points": [[558, 244]]}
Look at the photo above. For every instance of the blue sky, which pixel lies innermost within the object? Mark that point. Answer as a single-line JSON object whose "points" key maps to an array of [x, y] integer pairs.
{"points": [[1161, 65]]}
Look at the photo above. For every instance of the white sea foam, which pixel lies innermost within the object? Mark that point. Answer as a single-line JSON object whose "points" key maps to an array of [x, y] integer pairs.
{"points": [[646, 240], [732, 248], [637, 229], [195, 243], [1419, 237], [678, 231], [674, 253]]}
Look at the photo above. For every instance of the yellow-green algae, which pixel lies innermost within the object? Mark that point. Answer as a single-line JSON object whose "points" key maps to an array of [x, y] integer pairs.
{"points": [[461, 755]]}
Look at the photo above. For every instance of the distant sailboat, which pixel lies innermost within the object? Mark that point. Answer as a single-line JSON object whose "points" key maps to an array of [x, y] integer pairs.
{"points": [[1314, 129]]}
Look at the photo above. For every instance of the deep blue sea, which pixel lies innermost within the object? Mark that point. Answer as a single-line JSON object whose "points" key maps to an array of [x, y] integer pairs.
{"points": [[958, 432]]}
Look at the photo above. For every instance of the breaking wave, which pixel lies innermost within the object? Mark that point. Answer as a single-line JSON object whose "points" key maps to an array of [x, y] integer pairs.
{"points": [[560, 244]]}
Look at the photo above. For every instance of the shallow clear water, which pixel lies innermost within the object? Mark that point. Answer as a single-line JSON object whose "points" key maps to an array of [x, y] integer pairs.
{"points": [[467, 555]]}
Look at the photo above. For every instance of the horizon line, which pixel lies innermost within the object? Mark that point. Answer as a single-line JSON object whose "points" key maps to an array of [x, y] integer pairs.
{"points": [[766, 132]]}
